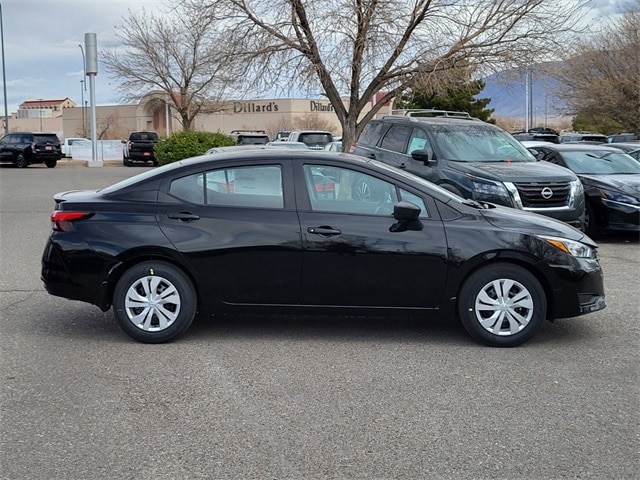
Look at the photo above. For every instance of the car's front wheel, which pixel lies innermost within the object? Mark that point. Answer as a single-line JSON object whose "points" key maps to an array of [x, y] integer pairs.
{"points": [[502, 305], [154, 302]]}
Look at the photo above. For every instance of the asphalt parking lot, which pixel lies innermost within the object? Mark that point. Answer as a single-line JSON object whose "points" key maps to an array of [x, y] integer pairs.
{"points": [[302, 398]]}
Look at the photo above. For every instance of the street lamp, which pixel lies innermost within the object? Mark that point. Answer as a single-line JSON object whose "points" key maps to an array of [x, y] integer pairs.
{"points": [[4, 77], [84, 89], [40, 112]]}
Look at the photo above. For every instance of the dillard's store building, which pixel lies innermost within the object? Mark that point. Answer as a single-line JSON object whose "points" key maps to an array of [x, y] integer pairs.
{"points": [[152, 114]]}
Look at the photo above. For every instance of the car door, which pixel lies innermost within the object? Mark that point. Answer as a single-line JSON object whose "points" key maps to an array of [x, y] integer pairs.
{"points": [[237, 227], [351, 255]]}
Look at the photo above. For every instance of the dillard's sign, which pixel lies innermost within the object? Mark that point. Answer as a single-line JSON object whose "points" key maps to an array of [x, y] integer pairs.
{"points": [[253, 107], [271, 107]]}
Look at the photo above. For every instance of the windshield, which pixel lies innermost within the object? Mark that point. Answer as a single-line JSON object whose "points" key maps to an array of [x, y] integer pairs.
{"points": [[479, 143], [601, 163]]}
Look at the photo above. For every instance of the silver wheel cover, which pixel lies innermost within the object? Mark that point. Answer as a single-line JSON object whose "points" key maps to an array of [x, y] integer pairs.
{"points": [[152, 303], [504, 307]]}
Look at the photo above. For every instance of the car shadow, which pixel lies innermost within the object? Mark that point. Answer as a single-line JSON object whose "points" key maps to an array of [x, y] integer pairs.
{"points": [[328, 327]]}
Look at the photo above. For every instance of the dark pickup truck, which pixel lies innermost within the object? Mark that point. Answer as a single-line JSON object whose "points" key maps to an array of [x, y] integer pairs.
{"points": [[139, 148]]}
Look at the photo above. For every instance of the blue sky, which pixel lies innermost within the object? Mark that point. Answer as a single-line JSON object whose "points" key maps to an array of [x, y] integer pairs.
{"points": [[41, 38]]}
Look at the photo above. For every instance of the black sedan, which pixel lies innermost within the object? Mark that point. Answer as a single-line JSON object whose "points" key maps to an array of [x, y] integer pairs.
{"points": [[275, 231], [611, 181]]}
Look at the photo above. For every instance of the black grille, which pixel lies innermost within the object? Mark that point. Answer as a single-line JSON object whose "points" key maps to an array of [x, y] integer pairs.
{"points": [[531, 194]]}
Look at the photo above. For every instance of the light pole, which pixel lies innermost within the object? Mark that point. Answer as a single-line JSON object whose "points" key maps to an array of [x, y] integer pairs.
{"points": [[4, 77], [40, 112], [84, 85]]}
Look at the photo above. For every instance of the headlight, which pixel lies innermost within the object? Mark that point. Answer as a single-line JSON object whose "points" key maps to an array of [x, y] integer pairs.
{"points": [[618, 197], [492, 192], [570, 247]]}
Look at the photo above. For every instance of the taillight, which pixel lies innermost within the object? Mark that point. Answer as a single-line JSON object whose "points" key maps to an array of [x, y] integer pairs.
{"points": [[61, 221]]}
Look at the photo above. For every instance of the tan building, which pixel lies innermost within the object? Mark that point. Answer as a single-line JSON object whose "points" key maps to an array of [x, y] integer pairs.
{"points": [[152, 114]]}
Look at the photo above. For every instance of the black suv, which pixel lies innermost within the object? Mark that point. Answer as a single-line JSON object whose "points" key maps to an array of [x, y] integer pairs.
{"points": [[473, 159], [23, 149]]}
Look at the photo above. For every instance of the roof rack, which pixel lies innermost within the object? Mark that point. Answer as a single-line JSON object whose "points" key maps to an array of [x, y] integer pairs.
{"points": [[429, 112], [416, 113]]}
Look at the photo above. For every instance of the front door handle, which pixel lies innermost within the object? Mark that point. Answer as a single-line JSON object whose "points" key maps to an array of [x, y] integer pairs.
{"points": [[324, 231], [184, 216]]}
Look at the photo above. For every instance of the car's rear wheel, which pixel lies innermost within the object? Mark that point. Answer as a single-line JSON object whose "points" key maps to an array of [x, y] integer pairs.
{"points": [[502, 305], [154, 302], [21, 161], [50, 163]]}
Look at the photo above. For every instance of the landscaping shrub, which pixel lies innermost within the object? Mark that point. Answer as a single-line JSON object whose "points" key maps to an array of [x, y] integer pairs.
{"points": [[187, 144]]}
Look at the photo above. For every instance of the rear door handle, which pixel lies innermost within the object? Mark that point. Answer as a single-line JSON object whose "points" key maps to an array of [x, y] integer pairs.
{"points": [[184, 216], [324, 231], [372, 156]]}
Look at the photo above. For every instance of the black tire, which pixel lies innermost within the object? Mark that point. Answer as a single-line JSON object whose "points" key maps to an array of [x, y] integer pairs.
{"points": [[499, 324], [21, 161], [126, 162], [50, 163], [138, 309], [590, 223]]}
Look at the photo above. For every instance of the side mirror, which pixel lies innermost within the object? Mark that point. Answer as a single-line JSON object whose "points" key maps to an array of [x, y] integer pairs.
{"points": [[407, 215], [424, 155], [123, 141]]}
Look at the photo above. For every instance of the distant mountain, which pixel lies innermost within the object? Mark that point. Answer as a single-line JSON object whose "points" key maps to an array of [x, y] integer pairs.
{"points": [[508, 98]]}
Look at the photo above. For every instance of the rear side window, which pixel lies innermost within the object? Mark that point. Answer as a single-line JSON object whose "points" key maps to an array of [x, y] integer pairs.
{"points": [[253, 187], [371, 133], [396, 138]]}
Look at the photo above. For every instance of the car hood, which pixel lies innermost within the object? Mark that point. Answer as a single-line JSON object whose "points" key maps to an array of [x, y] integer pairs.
{"points": [[628, 184], [515, 171], [521, 221]]}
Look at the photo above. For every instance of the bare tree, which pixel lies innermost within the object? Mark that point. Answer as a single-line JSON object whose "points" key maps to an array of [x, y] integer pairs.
{"points": [[177, 55], [601, 79], [358, 48]]}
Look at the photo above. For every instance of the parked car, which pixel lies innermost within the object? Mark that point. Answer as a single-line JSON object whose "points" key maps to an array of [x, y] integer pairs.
{"points": [[583, 137], [254, 230], [623, 137], [630, 148], [25, 148], [140, 148], [611, 181], [473, 159], [250, 137], [67, 145], [314, 139]]}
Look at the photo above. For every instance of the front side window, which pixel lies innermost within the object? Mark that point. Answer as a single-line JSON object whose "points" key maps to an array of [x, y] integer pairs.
{"points": [[341, 190], [418, 141], [254, 187]]}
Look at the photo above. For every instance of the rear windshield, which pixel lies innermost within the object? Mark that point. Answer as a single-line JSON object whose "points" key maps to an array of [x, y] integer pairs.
{"points": [[252, 139], [43, 139], [315, 139], [138, 136]]}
